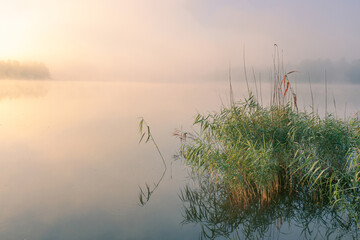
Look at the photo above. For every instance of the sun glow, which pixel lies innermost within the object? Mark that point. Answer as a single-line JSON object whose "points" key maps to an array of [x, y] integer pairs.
{"points": [[15, 32]]}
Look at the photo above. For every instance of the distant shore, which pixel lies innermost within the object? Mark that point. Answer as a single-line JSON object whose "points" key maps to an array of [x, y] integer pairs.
{"points": [[12, 69]]}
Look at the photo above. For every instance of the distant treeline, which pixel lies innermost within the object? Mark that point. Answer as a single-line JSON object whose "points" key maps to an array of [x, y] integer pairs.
{"points": [[336, 71], [23, 70]]}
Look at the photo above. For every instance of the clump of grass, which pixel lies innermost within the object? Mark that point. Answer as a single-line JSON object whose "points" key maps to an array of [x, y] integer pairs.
{"points": [[257, 152]]}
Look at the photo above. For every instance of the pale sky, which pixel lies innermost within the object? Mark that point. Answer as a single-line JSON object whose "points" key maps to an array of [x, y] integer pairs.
{"points": [[174, 39]]}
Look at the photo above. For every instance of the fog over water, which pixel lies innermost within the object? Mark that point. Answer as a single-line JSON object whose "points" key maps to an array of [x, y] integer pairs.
{"points": [[180, 40]]}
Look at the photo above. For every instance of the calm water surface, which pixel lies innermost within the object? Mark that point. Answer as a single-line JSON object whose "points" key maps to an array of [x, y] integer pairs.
{"points": [[71, 165]]}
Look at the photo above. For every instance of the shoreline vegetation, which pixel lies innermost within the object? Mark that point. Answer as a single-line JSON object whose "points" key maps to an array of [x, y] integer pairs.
{"points": [[23, 70], [256, 153]]}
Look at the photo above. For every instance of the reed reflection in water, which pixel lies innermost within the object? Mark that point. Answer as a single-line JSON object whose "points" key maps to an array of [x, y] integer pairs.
{"points": [[295, 216]]}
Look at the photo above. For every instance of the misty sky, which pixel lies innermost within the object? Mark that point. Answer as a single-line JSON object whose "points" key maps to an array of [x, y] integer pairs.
{"points": [[176, 39]]}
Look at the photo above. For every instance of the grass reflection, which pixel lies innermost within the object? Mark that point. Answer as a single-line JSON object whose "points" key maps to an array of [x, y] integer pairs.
{"points": [[207, 203], [144, 195]]}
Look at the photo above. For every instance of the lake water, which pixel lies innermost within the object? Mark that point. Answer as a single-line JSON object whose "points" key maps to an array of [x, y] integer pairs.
{"points": [[71, 163]]}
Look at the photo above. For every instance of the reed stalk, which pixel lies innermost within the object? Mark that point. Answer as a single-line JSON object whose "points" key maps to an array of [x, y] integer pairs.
{"points": [[246, 79]]}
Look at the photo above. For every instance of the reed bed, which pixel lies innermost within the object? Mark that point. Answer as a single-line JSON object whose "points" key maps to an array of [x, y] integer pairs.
{"points": [[257, 152]]}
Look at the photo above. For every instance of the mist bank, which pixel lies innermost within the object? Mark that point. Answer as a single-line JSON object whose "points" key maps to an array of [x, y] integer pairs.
{"points": [[315, 70], [337, 71], [340, 71], [13, 69]]}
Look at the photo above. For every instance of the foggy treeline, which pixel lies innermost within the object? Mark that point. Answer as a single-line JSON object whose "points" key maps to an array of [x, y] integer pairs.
{"points": [[336, 71], [23, 70]]}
